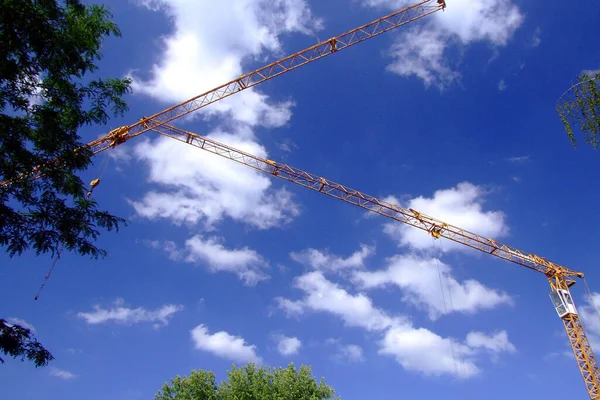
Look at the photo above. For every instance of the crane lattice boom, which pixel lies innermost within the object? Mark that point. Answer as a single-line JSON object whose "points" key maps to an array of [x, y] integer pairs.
{"points": [[409, 216], [286, 64], [559, 277], [322, 49]]}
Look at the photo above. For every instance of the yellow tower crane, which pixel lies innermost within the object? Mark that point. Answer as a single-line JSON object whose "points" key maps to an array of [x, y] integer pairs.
{"points": [[559, 277]]}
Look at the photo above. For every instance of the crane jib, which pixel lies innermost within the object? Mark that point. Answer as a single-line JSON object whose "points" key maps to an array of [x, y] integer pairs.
{"points": [[559, 277]]}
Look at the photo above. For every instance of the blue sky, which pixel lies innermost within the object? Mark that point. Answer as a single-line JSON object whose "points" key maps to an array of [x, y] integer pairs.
{"points": [[452, 115]]}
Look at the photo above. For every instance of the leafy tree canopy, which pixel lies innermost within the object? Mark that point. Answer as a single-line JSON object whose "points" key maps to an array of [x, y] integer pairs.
{"points": [[248, 383], [16, 341], [49, 49], [580, 107]]}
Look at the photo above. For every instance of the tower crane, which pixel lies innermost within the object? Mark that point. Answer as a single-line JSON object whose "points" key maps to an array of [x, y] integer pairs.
{"points": [[559, 277], [316, 52]]}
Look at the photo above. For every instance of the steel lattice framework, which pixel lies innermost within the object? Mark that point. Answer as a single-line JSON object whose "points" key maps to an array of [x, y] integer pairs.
{"points": [[274, 69], [318, 51], [559, 277]]}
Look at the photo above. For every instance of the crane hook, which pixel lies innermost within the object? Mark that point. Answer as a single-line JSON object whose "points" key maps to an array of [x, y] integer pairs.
{"points": [[93, 184]]}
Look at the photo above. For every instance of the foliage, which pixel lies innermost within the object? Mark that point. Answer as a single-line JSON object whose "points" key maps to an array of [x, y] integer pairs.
{"points": [[49, 48], [16, 341], [200, 385], [249, 383], [582, 109]]}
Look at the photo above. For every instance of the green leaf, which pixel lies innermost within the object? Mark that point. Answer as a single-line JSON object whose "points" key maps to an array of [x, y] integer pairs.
{"points": [[581, 109], [50, 87]]}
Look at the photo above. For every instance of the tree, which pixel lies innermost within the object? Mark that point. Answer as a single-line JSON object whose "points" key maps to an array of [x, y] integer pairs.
{"points": [[582, 109], [49, 50], [16, 341], [249, 383]]}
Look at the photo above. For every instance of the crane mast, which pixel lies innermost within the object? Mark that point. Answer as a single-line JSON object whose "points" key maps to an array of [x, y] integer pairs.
{"points": [[560, 278]]}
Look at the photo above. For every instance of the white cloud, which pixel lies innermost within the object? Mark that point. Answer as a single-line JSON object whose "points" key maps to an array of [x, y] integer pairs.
{"points": [[62, 374], [224, 345], [495, 343], [323, 260], [461, 206], [244, 262], [420, 50], [247, 264], [352, 353], [290, 307], [346, 353], [416, 349], [288, 345], [210, 42], [203, 187], [419, 278], [423, 351], [22, 323], [130, 316], [326, 296], [494, 21]]}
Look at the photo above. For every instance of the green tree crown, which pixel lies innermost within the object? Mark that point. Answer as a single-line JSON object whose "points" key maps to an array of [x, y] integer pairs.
{"points": [[49, 51], [249, 383]]}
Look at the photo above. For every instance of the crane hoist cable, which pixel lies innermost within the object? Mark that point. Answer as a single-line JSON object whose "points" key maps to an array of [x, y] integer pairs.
{"points": [[318, 51], [447, 310], [559, 277], [93, 185]]}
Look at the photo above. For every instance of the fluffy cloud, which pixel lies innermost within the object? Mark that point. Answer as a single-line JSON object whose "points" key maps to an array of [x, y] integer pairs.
{"points": [[323, 260], [224, 345], [423, 351], [247, 264], [288, 345], [346, 353], [496, 343], [326, 296], [130, 316], [416, 349], [352, 353], [419, 278], [210, 42], [461, 206], [420, 50], [203, 187], [209, 45], [62, 374]]}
